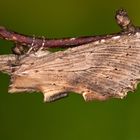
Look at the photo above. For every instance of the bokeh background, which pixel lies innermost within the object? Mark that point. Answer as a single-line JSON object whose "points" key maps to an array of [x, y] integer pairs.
{"points": [[25, 116]]}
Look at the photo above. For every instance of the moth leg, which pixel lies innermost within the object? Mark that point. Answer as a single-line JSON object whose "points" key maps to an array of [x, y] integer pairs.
{"points": [[32, 46], [40, 51], [93, 96], [42, 45]]}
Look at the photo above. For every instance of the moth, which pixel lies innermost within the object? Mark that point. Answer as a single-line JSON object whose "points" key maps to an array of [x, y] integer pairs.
{"points": [[97, 67]]}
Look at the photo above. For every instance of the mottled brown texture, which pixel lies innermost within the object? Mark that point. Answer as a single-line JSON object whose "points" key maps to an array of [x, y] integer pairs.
{"points": [[99, 70], [107, 67]]}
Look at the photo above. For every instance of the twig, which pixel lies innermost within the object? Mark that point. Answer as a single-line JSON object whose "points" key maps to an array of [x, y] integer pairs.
{"points": [[121, 18], [48, 43]]}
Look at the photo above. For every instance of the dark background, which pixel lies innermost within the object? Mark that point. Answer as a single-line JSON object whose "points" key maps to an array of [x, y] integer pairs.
{"points": [[25, 116]]}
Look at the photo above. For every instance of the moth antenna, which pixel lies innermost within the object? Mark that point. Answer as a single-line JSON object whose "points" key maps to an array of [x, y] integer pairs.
{"points": [[43, 41], [33, 41], [32, 45]]}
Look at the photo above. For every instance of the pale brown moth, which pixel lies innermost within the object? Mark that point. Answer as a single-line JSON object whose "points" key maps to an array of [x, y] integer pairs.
{"points": [[97, 67]]}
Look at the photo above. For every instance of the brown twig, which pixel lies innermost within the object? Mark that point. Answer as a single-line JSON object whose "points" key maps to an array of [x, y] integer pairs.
{"points": [[20, 39], [45, 42]]}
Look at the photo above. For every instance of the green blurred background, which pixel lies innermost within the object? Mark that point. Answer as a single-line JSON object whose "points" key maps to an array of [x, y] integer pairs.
{"points": [[25, 116]]}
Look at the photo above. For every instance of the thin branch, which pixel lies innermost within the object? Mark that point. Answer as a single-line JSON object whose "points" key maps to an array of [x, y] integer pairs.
{"points": [[48, 43], [121, 17]]}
